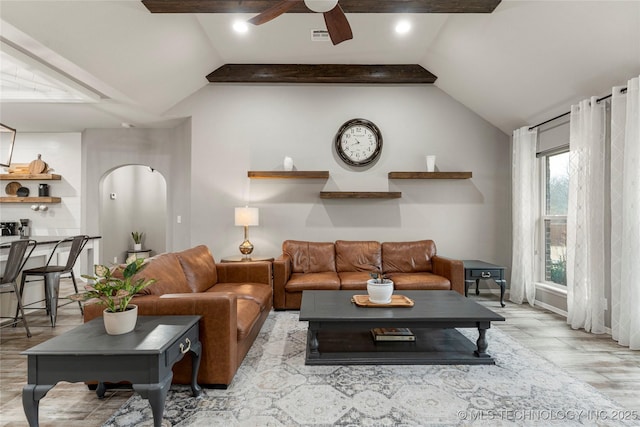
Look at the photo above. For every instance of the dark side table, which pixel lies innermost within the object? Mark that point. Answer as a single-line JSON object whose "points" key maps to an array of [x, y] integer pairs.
{"points": [[475, 270], [144, 357]]}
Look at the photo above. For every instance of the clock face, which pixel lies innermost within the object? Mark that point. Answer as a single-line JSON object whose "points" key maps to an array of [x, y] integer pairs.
{"points": [[358, 142]]}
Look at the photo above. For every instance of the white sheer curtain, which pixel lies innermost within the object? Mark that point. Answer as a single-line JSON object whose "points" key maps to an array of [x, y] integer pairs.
{"points": [[524, 211], [585, 217], [625, 215]]}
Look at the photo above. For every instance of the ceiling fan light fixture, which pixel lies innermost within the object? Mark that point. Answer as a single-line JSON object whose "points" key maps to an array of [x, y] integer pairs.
{"points": [[321, 6]]}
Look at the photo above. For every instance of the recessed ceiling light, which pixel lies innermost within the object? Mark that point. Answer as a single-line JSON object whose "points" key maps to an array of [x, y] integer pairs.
{"points": [[240, 27], [403, 27]]}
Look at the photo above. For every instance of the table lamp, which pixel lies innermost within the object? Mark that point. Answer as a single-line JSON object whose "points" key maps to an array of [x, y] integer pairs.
{"points": [[245, 217]]}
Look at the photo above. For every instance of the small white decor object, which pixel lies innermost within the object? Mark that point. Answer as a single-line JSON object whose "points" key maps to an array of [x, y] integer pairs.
{"points": [[120, 322], [288, 164], [137, 246], [431, 163], [379, 289]]}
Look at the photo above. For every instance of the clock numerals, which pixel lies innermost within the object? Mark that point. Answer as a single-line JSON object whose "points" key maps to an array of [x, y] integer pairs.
{"points": [[358, 142]]}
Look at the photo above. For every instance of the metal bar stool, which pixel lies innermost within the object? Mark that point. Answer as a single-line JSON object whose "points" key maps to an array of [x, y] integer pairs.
{"points": [[18, 257], [52, 273]]}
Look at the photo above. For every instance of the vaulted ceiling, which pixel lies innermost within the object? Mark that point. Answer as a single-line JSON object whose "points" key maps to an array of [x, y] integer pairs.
{"points": [[522, 63]]}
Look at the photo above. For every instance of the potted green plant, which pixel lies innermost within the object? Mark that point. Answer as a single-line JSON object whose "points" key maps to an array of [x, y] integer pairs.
{"points": [[137, 240], [115, 293], [379, 288]]}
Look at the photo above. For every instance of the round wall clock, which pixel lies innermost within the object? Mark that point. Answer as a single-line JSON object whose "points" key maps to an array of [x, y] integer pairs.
{"points": [[358, 142]]}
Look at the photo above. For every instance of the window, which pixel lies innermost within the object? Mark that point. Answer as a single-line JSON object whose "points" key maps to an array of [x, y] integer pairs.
{"points": [[555, 197]]}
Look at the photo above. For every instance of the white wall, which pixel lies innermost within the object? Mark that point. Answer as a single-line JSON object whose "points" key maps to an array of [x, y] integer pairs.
{"points": [[139, 204], [236, 128], [61, 151], [165, 150]]}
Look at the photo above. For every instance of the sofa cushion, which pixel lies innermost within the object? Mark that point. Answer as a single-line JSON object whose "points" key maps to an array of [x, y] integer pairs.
{"points": [[248, 314], [199, 268], [350, 280], [358, 256], [419, 281], [321, 281], [260, 293], [407, 257], [310, 257], [170, 278]]}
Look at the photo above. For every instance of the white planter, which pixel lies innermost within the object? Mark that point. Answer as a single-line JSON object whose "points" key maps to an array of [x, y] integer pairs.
{"points": [[137, 246], [120, 322], [380, 293]]}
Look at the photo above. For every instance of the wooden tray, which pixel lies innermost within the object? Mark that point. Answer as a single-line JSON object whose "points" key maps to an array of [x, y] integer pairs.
{"points": [[396, 301]]}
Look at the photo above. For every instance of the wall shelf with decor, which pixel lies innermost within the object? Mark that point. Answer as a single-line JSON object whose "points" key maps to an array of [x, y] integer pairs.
{"points": [[430, 175], [15, 199], [288, 174], [29, 177], [360, 194]]}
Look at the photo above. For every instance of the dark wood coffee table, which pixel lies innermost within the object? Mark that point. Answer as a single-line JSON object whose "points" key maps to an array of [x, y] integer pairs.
{"points": [[144, 357], [339, 331]]}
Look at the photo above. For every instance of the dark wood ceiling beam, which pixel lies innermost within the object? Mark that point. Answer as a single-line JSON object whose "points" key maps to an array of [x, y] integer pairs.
{"points": [[349, 6], [321, 73]]}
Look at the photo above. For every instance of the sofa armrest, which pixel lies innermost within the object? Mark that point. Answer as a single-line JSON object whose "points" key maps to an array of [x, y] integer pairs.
{"points": [[281, 275], [245, 272], [452, 269]]}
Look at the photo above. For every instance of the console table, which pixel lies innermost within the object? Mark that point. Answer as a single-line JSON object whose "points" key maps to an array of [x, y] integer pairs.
{"points": [[475, 270], [144, 357]]}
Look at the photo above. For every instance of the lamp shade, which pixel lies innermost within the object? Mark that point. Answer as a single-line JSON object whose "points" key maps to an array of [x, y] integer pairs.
{"points": [[247, 216]]}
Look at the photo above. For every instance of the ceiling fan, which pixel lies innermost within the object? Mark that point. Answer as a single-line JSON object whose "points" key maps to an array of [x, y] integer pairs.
{"points": [[334, 17]]}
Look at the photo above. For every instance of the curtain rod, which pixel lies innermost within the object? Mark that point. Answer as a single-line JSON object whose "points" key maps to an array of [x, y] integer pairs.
{"points": [[623, 90]]}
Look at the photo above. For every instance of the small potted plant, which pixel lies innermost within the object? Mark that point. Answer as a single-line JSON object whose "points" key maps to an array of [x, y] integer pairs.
{"points": [[379, 288], [137, 240], [115, 293]]}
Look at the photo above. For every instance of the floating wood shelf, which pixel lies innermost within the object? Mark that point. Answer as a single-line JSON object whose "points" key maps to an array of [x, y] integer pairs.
{"points": [[30, 199], [26, 176], [288, 174], [360, 194], [430, 175]]}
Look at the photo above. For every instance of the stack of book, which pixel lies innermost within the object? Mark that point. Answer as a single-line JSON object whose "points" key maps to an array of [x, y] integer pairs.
{"points": [[392, 334]]}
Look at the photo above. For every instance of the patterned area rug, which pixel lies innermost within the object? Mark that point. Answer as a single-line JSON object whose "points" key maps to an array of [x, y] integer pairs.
{"points": [[274, 387]]}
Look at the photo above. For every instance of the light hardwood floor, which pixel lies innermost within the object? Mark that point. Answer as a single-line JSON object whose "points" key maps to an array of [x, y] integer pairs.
{"points": [[597, 360]]}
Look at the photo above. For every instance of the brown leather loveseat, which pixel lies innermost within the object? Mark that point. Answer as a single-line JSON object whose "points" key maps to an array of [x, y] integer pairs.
{"points": [[234, 300], [346, 265]]}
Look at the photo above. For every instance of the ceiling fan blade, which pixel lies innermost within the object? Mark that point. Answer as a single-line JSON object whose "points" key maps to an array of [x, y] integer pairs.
{"points": [[337, 25], [273, 12]]}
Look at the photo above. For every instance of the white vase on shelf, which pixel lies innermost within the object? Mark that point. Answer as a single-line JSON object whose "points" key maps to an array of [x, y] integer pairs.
{"points": [[288, 164], [137, 246], [431, 163]]}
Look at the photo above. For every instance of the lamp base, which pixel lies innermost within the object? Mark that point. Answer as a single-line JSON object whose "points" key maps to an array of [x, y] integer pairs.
{"points": [[246, 248]]}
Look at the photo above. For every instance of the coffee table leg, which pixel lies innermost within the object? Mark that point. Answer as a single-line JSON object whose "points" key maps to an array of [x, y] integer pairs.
{"points": [[481, 343], [156, 394], [312, 342], [101, 389], [196, 349], [31, 395], [503, 285], [467, 284]]}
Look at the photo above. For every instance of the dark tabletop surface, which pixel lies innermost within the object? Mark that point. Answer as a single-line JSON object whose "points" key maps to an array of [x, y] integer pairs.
{"points": [[474, 263], [429, 305], [152, 335]]}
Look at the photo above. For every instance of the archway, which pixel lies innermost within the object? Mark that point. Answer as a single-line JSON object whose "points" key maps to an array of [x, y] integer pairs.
{"points": [[132, 198]]}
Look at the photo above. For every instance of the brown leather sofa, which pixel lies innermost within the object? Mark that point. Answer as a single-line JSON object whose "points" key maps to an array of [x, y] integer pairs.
{"points": [[347, 265], [234, 300]]}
